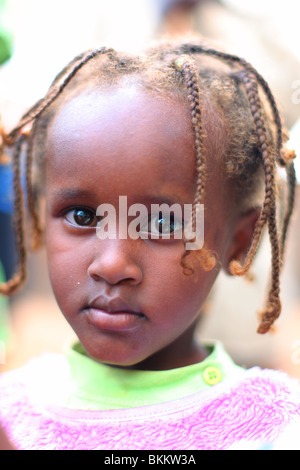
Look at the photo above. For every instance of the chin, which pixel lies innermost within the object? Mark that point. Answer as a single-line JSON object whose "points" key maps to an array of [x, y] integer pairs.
{"points": [[115, 358]]}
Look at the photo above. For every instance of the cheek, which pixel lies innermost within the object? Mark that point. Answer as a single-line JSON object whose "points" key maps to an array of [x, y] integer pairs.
{"points": [[193, 289], [67, 263], [179, 293]]}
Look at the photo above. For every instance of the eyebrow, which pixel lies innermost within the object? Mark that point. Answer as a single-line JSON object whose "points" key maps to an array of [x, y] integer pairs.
{"points": [[166, 199], [70, 194], [172, 196]]}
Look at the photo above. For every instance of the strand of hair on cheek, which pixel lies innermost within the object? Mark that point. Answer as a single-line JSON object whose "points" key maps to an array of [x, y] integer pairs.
{"points": [[55, 90], [12, 285]]}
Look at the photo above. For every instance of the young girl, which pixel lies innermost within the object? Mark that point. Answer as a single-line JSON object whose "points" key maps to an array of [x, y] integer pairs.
{"points": [[182, 125]]}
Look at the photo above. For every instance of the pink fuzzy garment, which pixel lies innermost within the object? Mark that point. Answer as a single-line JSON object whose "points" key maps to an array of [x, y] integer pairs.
{"points": [[256, 406]]}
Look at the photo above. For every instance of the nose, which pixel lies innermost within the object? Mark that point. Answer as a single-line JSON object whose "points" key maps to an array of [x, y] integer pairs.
{"points": [[115, 262]]}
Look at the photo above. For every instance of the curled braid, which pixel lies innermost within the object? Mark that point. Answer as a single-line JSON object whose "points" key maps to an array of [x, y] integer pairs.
{"points": [[273, 309], [19, 278], [55, 90], [189, 72]]}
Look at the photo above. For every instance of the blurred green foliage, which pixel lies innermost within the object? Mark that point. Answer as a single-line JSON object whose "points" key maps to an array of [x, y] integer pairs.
{"points": [[6, 37]]}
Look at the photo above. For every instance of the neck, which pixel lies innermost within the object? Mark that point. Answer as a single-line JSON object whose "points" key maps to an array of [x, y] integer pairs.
{"points": [[184, 351]]}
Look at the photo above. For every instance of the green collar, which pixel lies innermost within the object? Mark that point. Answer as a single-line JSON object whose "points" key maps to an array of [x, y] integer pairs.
{"points": [[98, 386]]}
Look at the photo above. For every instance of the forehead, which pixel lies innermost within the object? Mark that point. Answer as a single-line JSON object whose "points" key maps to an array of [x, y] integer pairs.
{"points": [[129, 128]]}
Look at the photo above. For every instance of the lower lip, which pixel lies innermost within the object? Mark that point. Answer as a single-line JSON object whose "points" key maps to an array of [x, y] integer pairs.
{"points": [[118, 321]]}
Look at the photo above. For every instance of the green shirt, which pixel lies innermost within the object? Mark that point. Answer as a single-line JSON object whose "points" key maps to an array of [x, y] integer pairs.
{"points": [[97, 386]]}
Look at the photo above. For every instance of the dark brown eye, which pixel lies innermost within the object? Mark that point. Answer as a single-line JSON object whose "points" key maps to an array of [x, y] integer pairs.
{"points": [[81, 217]]}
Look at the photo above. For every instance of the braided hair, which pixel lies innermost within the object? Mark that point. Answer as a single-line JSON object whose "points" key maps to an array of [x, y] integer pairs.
{"points": [[199, 74]]}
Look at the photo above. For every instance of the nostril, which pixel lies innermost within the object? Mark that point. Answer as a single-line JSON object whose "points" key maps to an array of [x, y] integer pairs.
{"points": [[93, 275], [115, 271]]}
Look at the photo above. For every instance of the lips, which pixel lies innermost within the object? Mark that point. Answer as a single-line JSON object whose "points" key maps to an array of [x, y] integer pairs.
{"points": [[113, 314]]}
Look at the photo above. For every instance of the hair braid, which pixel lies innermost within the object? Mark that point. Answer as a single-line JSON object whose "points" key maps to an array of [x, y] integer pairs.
{"points": [[273, 309], [19, 278], [37, 231], [291, 179], [268, 212], [268, 163], [189, 71]]}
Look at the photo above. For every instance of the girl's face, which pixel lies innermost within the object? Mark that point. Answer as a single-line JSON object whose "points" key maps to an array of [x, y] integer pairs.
{"points": [[128, 300]]}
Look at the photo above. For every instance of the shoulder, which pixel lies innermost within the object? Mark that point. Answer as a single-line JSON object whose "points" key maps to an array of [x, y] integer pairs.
{"points": [[257, 405], [52, 361], [263, 384], [24, 394], [38, 378], [258, 389]]}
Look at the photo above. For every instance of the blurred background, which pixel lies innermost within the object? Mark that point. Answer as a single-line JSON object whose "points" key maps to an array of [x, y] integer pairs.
{"points": [[37, 38]]}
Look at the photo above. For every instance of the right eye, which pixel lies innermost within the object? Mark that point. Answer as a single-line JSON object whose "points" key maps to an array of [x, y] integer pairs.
{"points": [[82, 217]]}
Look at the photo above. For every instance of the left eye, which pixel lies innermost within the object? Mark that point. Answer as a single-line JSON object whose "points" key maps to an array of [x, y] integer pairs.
{"points": [[82, 217], [164, 226]]}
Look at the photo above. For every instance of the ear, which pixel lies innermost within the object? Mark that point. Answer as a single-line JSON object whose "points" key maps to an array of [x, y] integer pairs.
{"points": [[241, 238]]}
